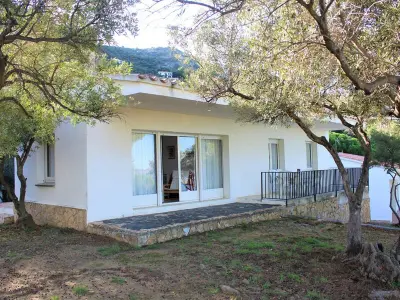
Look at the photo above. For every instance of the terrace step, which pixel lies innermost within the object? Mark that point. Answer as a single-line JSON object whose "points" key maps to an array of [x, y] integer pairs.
{"points": [[6, 218], [157, 228]]}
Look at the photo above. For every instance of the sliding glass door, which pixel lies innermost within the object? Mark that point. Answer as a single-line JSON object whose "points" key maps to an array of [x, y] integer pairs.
{"points": [[176, 168], [188, 190], [144, 172], [211, 163]]}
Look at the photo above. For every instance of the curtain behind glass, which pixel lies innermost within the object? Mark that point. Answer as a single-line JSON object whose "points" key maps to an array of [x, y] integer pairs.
{"points": [[212, 163], [50, 160], [143, 164], [309, 155], [274, 163]]}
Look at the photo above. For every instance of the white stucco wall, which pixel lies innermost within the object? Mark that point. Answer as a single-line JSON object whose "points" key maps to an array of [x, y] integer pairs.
{"points": [[325, 160], [379, 190], [348, 163], [109, 155], [70, 170]]}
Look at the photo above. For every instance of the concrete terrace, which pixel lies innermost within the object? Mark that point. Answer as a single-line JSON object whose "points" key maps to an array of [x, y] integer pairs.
{"points": [[145, 230], [155, 228]]}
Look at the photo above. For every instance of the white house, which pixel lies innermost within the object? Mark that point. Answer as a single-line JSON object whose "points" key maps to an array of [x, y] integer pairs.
{"points": [[168, 151], [379, 188], [165, 74]]}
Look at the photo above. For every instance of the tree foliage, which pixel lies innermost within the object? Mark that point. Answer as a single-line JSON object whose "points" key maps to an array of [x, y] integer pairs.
{"points": [[386, 144], [51, 72], [345, 143], [358, 37]]}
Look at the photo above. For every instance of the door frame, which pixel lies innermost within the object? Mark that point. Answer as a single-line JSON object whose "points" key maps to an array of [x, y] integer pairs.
{"points": [[202, 195], [160, 191], [213, 194], [143, 200]]}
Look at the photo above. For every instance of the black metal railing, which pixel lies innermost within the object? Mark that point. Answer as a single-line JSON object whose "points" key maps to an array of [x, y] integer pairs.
{"points": [[293, 185]]}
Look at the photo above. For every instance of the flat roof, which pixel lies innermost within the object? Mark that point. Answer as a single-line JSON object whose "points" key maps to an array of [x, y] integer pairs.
{"points": [[172, 88]]}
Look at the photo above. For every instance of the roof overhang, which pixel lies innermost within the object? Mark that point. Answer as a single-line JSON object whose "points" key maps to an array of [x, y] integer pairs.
{"points": [[156, 95], [153, 94]]}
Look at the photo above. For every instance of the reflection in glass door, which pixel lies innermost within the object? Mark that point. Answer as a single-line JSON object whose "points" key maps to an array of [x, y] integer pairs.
{"points": [[144, 179], [188, 190]]}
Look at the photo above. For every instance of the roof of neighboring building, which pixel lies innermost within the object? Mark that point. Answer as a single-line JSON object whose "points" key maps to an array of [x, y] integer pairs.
{"points": [[351, 156]]}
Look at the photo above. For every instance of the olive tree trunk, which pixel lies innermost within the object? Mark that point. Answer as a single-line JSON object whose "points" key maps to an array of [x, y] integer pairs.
{"points": [[354, 236], [355, 199], [354, 194]]}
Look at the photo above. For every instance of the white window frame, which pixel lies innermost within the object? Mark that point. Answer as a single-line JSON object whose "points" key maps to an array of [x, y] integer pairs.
{"points": [[144, 200], [211, 194], [309, 145], [46, 166], [275, 142]]}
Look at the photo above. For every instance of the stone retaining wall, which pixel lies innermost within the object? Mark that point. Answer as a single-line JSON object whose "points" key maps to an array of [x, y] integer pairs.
{"points": [[331, 209], [58, 216]]}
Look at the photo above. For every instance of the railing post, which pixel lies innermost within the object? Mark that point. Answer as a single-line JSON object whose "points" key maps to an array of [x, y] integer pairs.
{"points": [[262, 186], [335, 183], [315, 191], [287, 186]]}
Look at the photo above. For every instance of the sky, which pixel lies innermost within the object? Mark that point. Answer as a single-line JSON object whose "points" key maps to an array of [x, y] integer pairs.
{"points": [[153, 25]]}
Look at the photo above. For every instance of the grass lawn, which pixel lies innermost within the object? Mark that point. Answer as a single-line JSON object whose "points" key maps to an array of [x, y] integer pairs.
{"points": [[286, 259]]}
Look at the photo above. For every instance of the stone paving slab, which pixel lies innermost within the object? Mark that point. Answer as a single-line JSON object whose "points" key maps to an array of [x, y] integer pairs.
{"points": [[184, 216], [158, 228]]}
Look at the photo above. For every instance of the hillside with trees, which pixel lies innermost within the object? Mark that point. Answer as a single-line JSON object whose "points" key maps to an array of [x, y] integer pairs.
{"points": [[151, 60]]}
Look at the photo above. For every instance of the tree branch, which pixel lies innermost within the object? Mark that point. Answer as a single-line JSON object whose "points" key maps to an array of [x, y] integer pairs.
{"points": [[325, 143], [220, 10], [15, 101], [367, 87]]}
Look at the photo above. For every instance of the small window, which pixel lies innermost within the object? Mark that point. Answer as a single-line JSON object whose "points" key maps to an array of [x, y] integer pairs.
{"points": [[309, 155], [49, 161], [274, 163]]}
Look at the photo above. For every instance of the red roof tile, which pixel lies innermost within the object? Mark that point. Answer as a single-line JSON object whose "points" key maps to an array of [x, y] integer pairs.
{"points": [[351, 156]]}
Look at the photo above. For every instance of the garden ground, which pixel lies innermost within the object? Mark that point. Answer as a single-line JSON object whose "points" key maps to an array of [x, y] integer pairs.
{"points": [[285, 259]]}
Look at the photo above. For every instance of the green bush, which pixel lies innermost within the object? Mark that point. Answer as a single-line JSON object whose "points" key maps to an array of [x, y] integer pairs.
{"points": [[343, 142]]}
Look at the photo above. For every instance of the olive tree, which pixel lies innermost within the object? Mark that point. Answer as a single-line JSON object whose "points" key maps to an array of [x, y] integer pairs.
{"points": [[263, 86], [283, 61], [237, 64], [50, 72]]}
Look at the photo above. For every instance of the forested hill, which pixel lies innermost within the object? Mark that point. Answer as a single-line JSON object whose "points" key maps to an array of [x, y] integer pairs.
{"points": [[148, 61]]}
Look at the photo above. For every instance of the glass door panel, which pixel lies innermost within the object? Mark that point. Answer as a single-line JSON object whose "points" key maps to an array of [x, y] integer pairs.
{"points": [[212, 175], [188, 168], [144, 172]]}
